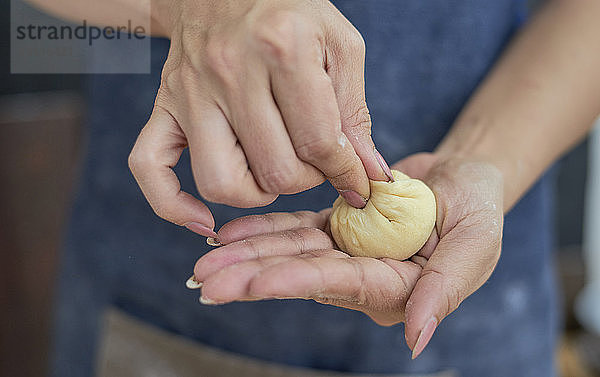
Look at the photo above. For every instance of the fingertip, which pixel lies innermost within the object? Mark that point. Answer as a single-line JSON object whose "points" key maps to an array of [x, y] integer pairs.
{"points": [[182, 209], [411, 329], [239, 229], [383, 165], [336, 158], [354, 199], [354, 177], [424, 337], [376, 168], [193, 283], [200, 229], [157, 149], [214, 241], [424, 303]]}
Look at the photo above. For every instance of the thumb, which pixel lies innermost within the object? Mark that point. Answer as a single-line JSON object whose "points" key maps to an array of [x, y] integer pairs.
{"points": [[428, 304], [461, 262], [347, 70]]}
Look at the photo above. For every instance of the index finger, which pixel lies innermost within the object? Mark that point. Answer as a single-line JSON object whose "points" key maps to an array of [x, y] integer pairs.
{"points": [[306, 98], [254, 225], [156, 151]]}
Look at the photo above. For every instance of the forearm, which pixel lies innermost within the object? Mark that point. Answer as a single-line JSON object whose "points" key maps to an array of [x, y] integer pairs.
{"points": [[157, 14], [540, 99]]}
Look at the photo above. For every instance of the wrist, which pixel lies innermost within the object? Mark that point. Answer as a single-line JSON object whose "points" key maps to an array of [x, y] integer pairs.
{"points": [[479, 140], [163, 15]]}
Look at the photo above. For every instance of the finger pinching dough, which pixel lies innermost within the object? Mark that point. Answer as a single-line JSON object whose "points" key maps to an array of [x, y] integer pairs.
{"points": [[396, 222]]}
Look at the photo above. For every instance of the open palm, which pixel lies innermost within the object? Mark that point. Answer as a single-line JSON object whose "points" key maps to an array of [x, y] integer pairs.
{"points": [[292, 255]]}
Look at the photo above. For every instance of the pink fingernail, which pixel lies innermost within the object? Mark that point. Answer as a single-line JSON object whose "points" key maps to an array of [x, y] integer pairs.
{"points": [[384, 165], [353, 198], [200, 229], [424, 337]]}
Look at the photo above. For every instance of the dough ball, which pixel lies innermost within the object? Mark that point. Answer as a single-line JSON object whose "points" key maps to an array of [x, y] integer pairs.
{"points": [[396, 222]]}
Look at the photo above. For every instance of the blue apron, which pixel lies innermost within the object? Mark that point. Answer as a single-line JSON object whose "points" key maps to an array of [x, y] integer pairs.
{"points": [[424, 59]]}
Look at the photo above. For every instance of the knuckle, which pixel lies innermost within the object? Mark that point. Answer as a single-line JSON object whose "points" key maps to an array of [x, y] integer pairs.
{"points": [[170, 75], [295, 236], [269, 220], [300, 217], [317, 149], [360, 293], [277, 180], [355, 42], [358, 123], [139, 160], [221, 189], [453, 298], [494, 235], [453, 289], [222, 56], [279, 34], [188, 77], [190, 39], [253, 246], [170, 82], [162, 210], [132, 161]]}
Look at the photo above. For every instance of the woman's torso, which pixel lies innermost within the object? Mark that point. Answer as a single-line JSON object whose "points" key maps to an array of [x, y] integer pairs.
{"points": [[424, 58]]}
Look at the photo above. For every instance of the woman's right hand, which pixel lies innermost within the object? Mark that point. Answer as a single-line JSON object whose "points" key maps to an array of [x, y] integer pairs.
{"points": [[269, 97]]}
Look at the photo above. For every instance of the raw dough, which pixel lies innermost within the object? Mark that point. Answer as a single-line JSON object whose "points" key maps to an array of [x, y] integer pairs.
{"points": [[396, 222]]}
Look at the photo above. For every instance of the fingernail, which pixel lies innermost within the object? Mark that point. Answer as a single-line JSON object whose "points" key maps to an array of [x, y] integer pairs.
{"points": [[384, 165], [192, 283], [353, 198], [200, 229], [424, 337], [212, 241], [207, 301]]}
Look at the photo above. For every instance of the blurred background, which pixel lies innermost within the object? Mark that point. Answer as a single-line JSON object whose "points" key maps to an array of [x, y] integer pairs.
{"points": [[41, 141]]}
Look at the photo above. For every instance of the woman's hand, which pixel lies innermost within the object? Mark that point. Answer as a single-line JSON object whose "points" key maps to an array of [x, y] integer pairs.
{"points": [[293, 256], [465, 245], [269, 97]]}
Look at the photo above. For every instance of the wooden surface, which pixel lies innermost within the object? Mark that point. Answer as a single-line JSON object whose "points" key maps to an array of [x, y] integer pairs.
{"points": [[39, 144]]}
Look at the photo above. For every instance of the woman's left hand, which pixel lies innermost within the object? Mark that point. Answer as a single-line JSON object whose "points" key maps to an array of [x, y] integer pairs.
{"points": [[292, 255]]}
